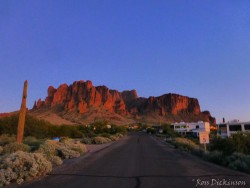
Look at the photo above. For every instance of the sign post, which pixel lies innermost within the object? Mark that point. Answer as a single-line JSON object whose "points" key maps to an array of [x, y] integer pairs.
{"points": [[204, 139]]}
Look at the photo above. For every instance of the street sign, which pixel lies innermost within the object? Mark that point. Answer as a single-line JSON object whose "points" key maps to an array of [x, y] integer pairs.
{"points": [[204, 137]]}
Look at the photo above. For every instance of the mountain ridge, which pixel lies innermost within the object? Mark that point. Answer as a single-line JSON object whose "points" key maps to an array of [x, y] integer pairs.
{"points": [[80, 98]]}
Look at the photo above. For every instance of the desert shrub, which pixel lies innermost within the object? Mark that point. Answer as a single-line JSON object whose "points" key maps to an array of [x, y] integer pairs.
{"points": [[69, 131], [33, 142], [64, 149], [43, 129], [185, 144], [55, 160], [107, 135], [150, 130], [214, 156], [75, 145], [66, 153], [114, 138], [90, 134], [21, 166], [6, 139], [49, 149], [198, 152], [119, 129], [239, 143], [8, 125], [119, 135], [13, 147], [238, 161], [87, 140], [101, 140], [167, 130]]}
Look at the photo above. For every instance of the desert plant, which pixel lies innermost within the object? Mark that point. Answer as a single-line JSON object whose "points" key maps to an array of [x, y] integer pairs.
{"points": [[64, 149], [66, 153], [185, 144], [239, 142], [49, 149], [198, 152], [101, 140], [21, 166], [87, 140], [22, 114], [13, 147], [214, 156], [33, 142], [6, 139], [75, 145], [238, 161], [114, 138]]}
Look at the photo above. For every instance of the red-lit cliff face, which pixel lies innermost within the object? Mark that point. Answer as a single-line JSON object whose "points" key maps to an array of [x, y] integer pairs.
{"points": [[82, 97], [169, 104]]}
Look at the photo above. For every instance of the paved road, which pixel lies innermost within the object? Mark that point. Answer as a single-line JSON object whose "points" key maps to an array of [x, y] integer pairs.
{"points": [[138, 161]]}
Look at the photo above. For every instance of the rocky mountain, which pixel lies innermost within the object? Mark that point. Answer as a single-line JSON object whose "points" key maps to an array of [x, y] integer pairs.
{"points": [[81, 100]]}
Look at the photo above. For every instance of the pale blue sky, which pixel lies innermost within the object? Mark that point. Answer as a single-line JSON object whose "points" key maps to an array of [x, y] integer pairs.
{"points": [[195, 48]]}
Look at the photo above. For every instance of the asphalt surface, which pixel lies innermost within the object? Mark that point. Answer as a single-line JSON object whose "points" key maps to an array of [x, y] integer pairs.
{"points": [[140, 161]]}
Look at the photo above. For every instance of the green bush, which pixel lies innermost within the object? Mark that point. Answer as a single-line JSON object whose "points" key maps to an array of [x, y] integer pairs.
{"points": [[101, 140], [74, 145], [214, 156], [150, 130], [43, 129], [13, 147], [238, 161], [8, 125], [198, 152], [167, 130], [6, 139], [87, 140], [33, 142], [21, 166], [185, 144], [239, 142], [49, 149], [114, 138]]}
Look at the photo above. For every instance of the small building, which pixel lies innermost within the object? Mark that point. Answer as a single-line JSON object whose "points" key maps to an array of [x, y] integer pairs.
{"points": [[227, 129], [191, 128]]}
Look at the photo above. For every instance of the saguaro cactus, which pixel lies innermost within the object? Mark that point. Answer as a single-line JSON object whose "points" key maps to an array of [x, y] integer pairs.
{"points": [[22, 114]]}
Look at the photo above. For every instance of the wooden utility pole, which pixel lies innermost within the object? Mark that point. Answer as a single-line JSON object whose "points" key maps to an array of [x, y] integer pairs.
{"points": [[22, 114]]}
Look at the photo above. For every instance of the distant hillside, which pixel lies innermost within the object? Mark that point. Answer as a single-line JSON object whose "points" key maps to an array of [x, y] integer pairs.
{"points": [[81, 102]]}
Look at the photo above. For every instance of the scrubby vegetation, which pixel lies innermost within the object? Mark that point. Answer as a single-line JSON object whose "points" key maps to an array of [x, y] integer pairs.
{"points": [[55, 151], [185, 144], [42, 129], [6, 139], [167, 130], [233, 152], [239, 142], [21, 166], [38, 153], [13, 147]]}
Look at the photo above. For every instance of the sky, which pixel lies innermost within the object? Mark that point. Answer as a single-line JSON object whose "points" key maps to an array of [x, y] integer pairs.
{"points": [[194, 48]]}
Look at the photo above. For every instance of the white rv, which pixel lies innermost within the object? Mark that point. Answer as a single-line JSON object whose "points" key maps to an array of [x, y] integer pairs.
{"points": [[227, 129], [192, 128]]}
